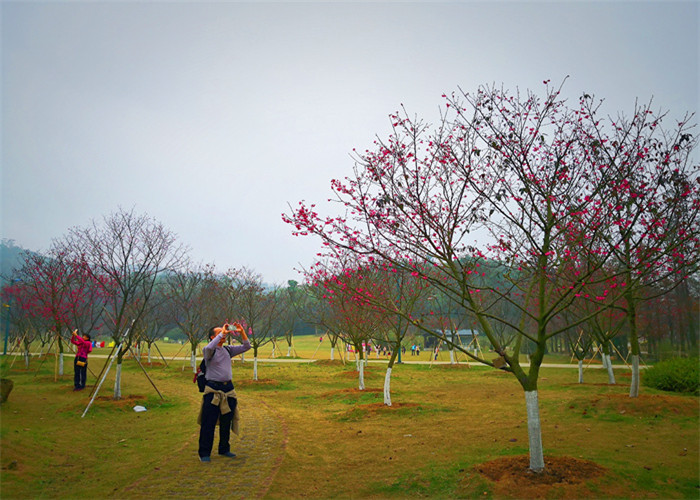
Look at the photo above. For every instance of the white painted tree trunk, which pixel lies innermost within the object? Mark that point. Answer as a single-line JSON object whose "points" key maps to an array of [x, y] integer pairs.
{"points": [[452, 356], [289, 351], [332, 352], [608, 365], [26, 358], [149, 354], [362, 375], [634, 386], [242, 357], [193, 361], [255, 368], [534, 431], [580, 371], [118, 382], [60, 363], [387, 387]]}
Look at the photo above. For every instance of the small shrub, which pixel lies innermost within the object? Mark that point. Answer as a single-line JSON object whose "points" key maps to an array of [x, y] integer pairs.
{"points": [[676, 375]]}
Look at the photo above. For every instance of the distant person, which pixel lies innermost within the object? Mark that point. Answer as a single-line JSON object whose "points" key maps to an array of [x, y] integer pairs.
{"points": [[219, 402], [413, 349], [84, 344]]}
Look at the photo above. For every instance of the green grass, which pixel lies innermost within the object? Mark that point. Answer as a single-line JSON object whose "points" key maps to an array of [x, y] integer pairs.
{"points": [[444, 421]]}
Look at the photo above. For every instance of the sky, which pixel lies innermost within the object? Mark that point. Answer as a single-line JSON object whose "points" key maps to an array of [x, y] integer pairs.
{"points": [[215, 117]]}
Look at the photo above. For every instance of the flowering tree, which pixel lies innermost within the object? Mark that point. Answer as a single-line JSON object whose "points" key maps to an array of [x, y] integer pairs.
{"points": [[126, 254], [519, 171], [352, 293], [654, 241], [21, 307], [62, 293]]}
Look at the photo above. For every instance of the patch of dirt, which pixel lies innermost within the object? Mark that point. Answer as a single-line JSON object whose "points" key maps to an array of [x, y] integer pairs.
{"points": [[328, 362], [646, 404], [350, 390], [512, 475], [354, 374]]}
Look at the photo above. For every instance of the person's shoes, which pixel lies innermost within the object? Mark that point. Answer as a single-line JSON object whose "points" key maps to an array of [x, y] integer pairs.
{"points": [[204, 459], [228, 454]]}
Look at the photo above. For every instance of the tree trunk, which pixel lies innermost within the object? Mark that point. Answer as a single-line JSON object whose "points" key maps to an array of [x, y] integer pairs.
{"points": [[634, 386], [387, 387], [534, 431], [452, 356], [634, 346], [361, 371], [118, 381], [149, 354], [387, 377], [255, 368], [580, 371], [332, 352], [60, 358], [608, 365], [193, 361]]}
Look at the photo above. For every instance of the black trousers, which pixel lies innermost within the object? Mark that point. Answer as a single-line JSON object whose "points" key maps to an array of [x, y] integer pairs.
{"points": [[210, 414], [80, 372]]}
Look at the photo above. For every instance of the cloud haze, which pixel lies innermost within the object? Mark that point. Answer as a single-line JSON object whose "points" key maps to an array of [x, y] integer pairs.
{"points": [[212, 117]]}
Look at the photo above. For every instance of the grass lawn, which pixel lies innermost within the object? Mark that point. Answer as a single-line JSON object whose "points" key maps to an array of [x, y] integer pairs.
{"points": [[308, 432]]}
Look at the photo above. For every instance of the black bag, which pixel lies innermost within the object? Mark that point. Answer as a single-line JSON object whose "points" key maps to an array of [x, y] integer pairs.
{"points": [[199, 377]]}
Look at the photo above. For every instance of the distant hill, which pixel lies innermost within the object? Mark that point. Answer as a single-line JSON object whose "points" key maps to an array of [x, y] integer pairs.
{"points": [[10, 259]]}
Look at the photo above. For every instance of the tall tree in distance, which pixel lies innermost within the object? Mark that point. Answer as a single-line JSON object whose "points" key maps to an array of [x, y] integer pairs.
{"points": [[192, 301], [258, 309], [126, 253]]}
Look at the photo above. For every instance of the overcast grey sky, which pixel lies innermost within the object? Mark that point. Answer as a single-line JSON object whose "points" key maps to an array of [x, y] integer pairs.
{"points": [[212, 117]]}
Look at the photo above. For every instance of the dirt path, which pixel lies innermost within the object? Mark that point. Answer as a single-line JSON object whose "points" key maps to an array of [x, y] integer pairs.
{"points": [[260, 451]]}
